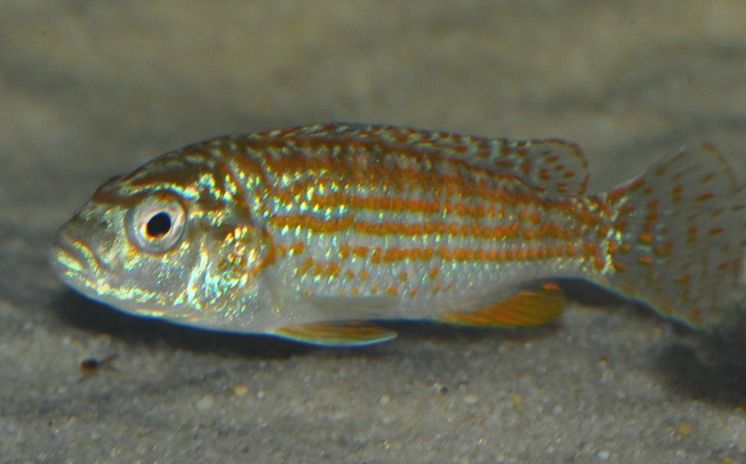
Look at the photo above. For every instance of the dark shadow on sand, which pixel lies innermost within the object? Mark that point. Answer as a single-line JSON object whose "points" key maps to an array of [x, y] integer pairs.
{"points": [[589, 294], [94, 317], [684, 371], [97, 318], [703, 366], [91, 316]]}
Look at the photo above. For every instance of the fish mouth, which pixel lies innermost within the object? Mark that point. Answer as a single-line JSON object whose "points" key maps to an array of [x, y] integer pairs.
{"points": [[78, 266], [75, 263]]}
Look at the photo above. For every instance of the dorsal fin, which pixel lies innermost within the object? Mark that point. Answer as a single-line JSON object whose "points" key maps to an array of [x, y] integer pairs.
{"points": [[554, 166]]}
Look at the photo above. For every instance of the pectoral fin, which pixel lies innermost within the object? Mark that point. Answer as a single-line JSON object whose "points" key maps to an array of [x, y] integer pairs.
{"points": [[526, 308], [344, 334]]}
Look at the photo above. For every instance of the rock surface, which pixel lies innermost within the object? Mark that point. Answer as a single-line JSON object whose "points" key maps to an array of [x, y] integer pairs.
{"points": [[93, 89]]}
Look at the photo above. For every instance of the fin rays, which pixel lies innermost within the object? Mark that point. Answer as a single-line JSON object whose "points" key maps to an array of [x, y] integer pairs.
{"points": [[676, 238], [342, 334], [554, 166], [526, 308]]}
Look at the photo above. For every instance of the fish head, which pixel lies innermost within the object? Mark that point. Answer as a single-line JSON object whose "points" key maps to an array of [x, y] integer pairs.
{"points": [[172, 240]]}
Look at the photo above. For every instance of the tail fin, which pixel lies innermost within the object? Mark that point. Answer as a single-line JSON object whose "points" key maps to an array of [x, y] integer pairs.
{"points": [[677, 235]]}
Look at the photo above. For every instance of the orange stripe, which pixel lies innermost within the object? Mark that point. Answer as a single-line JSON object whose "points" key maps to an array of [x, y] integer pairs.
{"points": [[646, 260], [414, 180], [248, 166], [297, 248], [312, 152], [409, 205], [311, 223], [470, 181], [467, 254]]}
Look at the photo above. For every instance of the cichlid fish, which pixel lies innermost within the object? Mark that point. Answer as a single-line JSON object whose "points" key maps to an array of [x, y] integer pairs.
{"points": [[311, 233]]}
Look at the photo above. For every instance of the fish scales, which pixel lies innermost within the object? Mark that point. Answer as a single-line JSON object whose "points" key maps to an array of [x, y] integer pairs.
{"points": [[351, 218], [308, 232]]}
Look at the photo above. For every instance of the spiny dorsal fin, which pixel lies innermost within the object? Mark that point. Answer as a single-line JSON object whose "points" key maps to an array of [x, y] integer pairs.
{"points": [[345, 334], [526, 308], [554, 166]]}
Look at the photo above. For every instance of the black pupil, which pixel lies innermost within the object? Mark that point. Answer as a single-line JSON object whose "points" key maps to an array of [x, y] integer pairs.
{"points": [[158, 225]]}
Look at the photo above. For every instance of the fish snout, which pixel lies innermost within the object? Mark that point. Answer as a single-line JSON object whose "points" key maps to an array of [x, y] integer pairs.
{"points": [[73, 259]]}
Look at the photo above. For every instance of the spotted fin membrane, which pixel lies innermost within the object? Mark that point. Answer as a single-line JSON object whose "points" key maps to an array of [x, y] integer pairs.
{"points": [[677, 234]]}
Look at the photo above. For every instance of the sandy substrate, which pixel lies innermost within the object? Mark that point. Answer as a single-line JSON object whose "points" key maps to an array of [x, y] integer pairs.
{"points": [[89, 90]]}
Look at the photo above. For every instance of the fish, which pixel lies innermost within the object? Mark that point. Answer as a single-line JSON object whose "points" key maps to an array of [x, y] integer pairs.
{"points": [[319, 233]]}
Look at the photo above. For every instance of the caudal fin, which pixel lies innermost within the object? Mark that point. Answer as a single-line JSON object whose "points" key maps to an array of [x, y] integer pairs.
{"points": [[677, 235]]}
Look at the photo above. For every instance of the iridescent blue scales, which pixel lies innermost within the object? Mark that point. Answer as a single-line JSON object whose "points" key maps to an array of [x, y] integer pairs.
{"points": [[313, 233]]}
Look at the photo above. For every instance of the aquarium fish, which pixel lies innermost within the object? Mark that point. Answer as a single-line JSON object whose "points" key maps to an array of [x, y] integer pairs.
{"points": [[313, 233]]}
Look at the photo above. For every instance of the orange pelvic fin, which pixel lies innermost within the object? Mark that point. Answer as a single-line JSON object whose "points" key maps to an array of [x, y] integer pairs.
{"points": [[344, 334], [526, 308]]}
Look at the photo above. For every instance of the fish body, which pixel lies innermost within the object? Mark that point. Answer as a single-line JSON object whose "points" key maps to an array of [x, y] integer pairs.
{"points": [[310, 233]]}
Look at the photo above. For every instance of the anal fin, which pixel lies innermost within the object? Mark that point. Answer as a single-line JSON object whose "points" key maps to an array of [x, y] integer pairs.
{"points": [[525, 308], [343, 334]]}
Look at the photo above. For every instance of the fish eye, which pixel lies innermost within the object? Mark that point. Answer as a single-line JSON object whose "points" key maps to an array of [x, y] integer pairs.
{"points": [[156, 224]]}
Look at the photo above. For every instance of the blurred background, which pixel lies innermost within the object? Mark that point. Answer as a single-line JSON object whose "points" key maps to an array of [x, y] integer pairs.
{"points": [[87, 86], [93, 89]]}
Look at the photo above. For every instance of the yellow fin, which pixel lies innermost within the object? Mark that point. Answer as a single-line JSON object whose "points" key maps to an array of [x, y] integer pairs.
{"points": [[526, 308], [348, 333]]}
